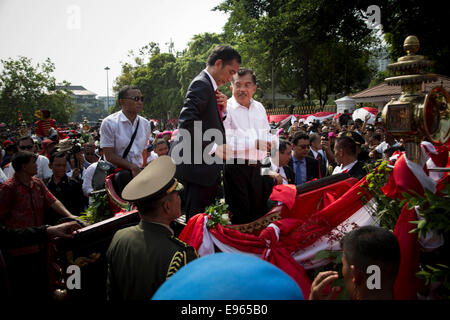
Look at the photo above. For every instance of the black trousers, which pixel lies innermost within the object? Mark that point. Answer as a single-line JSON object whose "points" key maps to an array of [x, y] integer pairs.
{"points": [[196, 198], [246, 192]]}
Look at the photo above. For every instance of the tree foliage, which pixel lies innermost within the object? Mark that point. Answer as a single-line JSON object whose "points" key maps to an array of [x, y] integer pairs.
{"points": [[427, 20], [163, 78], [315, 47], [25, 88]]}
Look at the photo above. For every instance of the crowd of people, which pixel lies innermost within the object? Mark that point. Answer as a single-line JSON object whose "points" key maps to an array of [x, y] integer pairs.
{"points": [[45, 179]]}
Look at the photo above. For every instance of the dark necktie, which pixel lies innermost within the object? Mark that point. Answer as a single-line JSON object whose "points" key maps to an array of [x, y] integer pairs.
{"points": [[319, 159], [219, 106]]}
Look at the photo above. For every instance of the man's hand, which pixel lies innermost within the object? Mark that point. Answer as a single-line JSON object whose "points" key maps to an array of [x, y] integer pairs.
{"points": [[76, 173], [279, 178], [320, 283], [135, 170], [325, 144], [222, 101], [224, 151], [63, 230]]}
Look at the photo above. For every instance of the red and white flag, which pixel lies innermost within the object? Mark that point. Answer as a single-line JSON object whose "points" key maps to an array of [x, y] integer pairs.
{"points": [[313, 221]]}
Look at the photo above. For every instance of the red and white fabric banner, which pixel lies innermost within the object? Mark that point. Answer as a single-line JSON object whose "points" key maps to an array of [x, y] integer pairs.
{"points": [[306, 118], [315, 222], [319, 116], [362, 113], [408, 176]]}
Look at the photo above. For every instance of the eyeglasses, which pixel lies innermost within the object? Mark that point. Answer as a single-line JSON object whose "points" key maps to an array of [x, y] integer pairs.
{"points": [[248, 85], [303, 146], [26, 147], [136, 98]]}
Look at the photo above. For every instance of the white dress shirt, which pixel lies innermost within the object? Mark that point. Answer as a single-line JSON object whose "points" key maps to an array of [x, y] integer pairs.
{"points": [[87, 179], [116, 131], [243, 126], [214, 83], [280, 170], [347, 168]]}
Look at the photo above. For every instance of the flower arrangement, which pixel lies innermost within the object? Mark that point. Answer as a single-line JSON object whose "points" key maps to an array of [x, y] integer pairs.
{"points": [[218, 214], [387, 211], [99, 209]]}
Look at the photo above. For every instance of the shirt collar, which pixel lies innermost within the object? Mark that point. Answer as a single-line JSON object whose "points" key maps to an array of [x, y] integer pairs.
{"points": [[17, 181], [297, 160], [234, 104], [123, 118], [349, 166], [146, 224], [212, 80]]}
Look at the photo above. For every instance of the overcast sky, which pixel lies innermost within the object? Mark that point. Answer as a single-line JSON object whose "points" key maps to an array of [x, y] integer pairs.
{"points": [[82, 37]]}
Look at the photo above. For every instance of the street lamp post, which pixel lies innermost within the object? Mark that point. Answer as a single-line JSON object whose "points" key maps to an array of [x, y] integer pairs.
{"points": [[107, 88]]}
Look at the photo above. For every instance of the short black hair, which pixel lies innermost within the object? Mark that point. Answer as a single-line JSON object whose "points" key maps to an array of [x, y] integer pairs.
{"points": [[299, 136], [282, 145], [21, 158], [25, 138], [372, 245], [313, 137], [242, 72], [225, 53], [376, 136], [56, 154], [347, 144], [160, 141], [123, 91]]}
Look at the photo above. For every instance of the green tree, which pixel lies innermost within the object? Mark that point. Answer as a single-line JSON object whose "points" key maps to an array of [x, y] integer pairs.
{"points": [[308, 48], [194, 58], [427, 20], [25, 88]]}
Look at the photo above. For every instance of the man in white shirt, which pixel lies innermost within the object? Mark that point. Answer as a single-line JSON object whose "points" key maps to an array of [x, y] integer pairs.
{"points": [[117, 130], [248, 133], [27, 144]]}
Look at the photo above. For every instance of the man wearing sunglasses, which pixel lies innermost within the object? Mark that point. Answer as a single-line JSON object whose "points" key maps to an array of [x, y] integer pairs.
{"points": [[117, 131], [27, 144], [304, 167]]}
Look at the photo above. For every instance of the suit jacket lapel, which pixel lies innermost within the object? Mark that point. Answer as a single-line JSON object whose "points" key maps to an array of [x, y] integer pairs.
{"points": [[213, 96]]}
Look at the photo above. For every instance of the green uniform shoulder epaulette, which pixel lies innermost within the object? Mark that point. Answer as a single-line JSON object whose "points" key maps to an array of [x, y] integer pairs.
{"points": [[181, 257], [178, 241]]}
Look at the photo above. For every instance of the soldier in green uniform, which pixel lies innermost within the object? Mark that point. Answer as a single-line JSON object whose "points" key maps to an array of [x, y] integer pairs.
{"points": [[142, 257]]}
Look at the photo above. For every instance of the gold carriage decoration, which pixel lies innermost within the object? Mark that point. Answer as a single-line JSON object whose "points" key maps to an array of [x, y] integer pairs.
{"points": [[415, 115]]}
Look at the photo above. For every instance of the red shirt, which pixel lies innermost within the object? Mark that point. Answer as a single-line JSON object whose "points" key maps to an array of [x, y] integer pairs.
{"points": [[23, 206]]}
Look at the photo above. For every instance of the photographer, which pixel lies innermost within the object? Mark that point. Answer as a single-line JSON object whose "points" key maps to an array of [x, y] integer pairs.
{"points": [[74, 156]]}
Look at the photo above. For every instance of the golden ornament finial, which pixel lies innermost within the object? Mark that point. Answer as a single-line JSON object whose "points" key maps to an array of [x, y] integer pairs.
{"points": [[411, 45]]}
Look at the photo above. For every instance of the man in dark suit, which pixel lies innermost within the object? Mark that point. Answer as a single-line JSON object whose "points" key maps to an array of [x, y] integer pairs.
{"points": [[347, 158], [317, 153], [201, 113], [304, 167]]}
